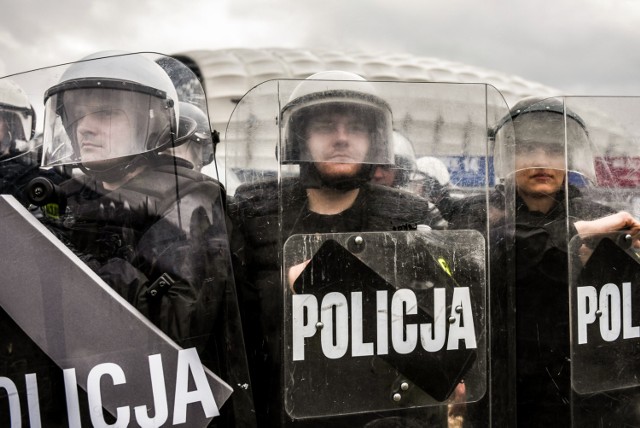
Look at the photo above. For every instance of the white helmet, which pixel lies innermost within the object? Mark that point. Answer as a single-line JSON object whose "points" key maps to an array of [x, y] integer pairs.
{"points": [[557, 130], [336, 91], [19, 119], [434, 167], [404, 159], [131, 90]]}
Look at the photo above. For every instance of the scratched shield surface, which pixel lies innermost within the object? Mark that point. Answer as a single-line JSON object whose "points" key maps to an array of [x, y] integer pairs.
{"points": [[383, 320]]}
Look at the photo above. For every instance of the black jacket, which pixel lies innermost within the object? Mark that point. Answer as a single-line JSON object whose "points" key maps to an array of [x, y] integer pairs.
{"points": [[160, 241], [262, 221], [539, 295]]}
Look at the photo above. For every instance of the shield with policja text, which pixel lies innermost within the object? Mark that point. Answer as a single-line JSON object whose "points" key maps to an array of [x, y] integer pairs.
{"points": [[386, 320], [604, 266], [117, 302]]}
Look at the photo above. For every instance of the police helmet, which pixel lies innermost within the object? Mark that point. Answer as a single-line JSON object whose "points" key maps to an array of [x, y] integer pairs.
{"points": [[537, 124], [404, 159], [195, 138], [433, 167], [128, 95], [336, 92], [18, 121]]}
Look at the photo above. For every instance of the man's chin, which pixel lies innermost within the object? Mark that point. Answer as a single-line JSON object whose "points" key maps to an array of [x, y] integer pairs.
{"points": [[540, 191], [338, 170], [101, 165]]}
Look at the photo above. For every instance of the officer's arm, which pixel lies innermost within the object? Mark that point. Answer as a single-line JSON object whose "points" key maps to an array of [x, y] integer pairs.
{"points": [[619, 221], [185, 256]]}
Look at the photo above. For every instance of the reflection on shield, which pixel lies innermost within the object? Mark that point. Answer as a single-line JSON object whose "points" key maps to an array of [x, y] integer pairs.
{"points": [[380, 321]]}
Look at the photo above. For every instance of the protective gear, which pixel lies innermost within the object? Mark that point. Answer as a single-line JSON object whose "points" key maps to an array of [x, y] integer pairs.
{"points": [[157, 238], [43, 311], [431, 180], [109, 108], [17, 129], [339, 93], [434, 167], [604, 272], [16, 110], [538, 141], [279, 223], [19, 150], [399, 173], [260, 228], [195, 136]]}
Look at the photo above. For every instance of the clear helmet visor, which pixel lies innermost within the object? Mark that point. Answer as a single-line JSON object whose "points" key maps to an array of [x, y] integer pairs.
{"points": [[16, 129], [198, 150], [338, 131], [100, 124], [16, 124], [543, 143]]}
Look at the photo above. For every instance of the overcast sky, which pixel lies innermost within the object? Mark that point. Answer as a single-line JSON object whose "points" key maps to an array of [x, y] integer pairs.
{"points": [[578, 46]]}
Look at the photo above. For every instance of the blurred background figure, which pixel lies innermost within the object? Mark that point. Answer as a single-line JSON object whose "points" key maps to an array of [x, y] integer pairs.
{"points": [[18, 150], [17, 119], [399, 173], [197, 147], [427, 176], [431, 180]]}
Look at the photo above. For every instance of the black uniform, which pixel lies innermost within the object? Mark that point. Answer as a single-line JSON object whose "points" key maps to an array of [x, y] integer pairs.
{"points": [[18, 169], [160, 241], [541, 297], [257, 241]]}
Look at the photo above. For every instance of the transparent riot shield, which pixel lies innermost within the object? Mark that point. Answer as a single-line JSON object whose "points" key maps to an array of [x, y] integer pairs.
{"points": [[118, 300], [604, 266], [351, 283], [378, 321]]}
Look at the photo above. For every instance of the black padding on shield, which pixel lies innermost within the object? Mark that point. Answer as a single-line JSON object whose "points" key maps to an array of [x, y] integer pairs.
{"points": [[334, 269], [613, 364]]}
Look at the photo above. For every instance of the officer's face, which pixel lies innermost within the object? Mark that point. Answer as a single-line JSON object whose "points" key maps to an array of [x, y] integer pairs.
{"points": [[338, 143], [100, 134], [540, 167], [384, 175], [104, 123]]}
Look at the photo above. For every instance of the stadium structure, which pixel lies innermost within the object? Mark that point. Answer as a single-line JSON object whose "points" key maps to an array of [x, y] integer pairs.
{"points": [[227, 74]]}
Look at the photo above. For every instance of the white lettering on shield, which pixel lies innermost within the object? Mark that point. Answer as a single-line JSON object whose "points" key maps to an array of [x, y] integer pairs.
{"points": [[106, 375], [341, 323], [611, 308]]}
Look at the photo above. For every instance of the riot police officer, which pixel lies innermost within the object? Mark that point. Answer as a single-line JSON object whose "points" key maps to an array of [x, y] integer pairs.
{"points": [[431, 180], [18, 147], [336, 131], [198, 147], [399, 173], [145, 221], [534, 130]]}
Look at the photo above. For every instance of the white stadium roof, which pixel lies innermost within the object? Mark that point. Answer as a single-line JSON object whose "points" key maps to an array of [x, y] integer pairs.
{"points": [[227, 74]]}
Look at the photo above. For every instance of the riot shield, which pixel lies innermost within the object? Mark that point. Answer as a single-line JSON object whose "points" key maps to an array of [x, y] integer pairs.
{"points": [[378, 321], [604, 270], [118, 297], [329, 254], [91, 332]]}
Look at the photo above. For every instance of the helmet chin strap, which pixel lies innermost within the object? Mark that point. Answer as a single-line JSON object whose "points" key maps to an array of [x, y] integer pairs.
{"points": [[118, 171], [311, 178]]}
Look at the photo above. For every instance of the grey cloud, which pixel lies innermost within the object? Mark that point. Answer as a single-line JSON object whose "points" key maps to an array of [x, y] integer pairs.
{"points": [[579, 47]]}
